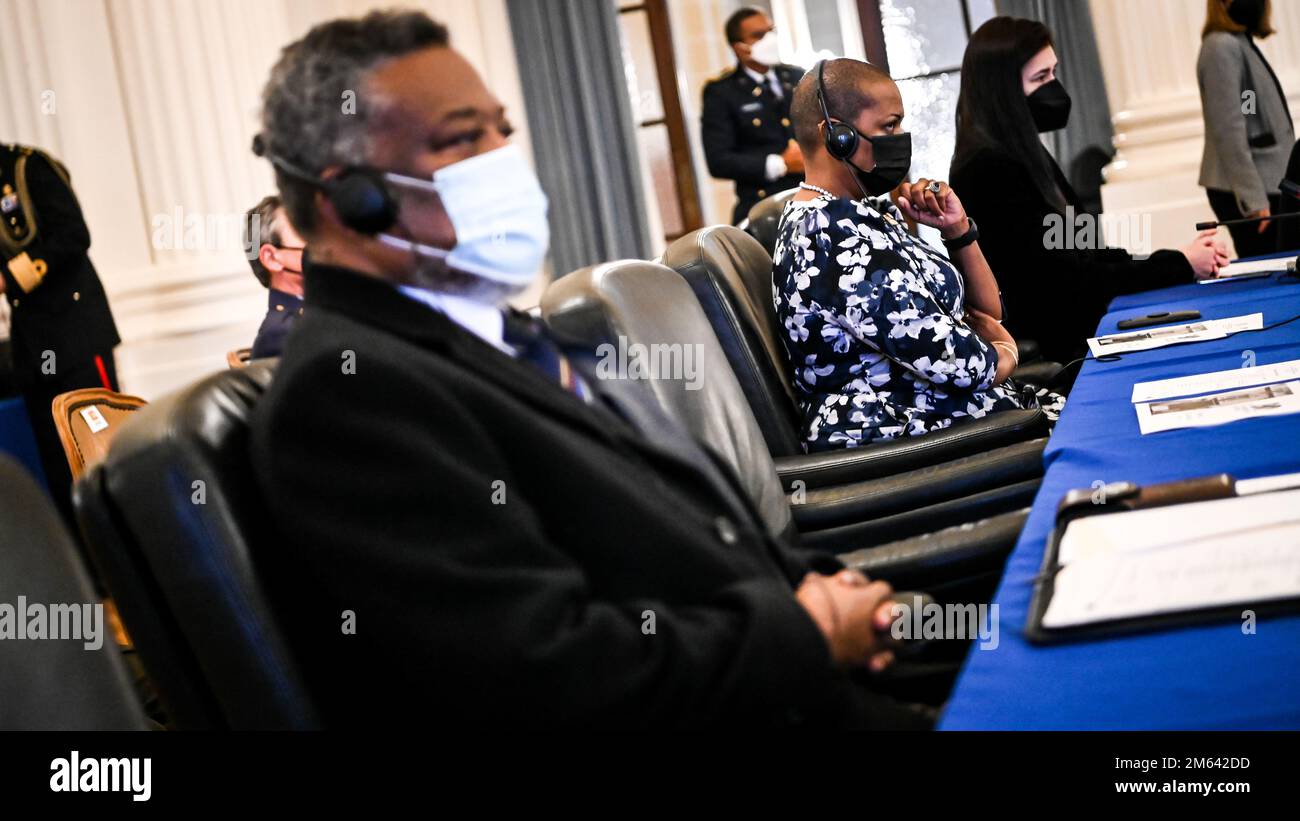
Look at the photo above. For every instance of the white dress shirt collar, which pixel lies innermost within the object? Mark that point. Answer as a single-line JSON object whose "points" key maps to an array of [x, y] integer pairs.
{"points": [[485, 321], [761, 79]]}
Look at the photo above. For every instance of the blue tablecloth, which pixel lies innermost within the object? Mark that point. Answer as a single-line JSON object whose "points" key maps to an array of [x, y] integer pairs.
{"points": [[1212, 676], [16, 437]]}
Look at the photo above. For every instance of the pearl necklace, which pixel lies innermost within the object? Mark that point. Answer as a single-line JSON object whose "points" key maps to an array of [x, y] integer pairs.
{"points": [[817, 189]]}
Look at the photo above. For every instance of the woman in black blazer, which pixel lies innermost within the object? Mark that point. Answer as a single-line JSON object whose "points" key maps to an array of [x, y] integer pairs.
{"points": [[1029, 217]]}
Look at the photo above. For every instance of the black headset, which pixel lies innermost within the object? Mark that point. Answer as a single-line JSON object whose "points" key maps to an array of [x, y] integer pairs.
{"points": [[841, 138], [359, 195]]}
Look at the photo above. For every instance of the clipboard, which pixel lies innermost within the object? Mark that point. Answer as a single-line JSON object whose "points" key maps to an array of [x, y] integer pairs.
{"points": [[1126, 496]]}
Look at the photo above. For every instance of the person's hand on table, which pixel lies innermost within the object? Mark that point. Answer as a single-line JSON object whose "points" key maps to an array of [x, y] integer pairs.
{"points": [[1263, 212], [1206, 254], [854, 614]]}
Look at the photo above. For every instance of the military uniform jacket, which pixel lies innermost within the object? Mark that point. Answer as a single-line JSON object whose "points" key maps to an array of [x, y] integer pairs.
{"points": [[282, 310], [742, 123], [57, 300]]}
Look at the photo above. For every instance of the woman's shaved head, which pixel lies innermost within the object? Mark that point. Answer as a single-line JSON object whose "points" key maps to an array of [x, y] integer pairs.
{"points": [[851, 87]]}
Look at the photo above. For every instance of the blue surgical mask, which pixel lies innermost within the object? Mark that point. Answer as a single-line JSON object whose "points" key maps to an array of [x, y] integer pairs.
{"points": [[498, 210]]}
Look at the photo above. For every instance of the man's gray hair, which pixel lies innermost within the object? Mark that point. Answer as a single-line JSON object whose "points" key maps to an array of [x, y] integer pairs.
{"points": [[314, 106]]}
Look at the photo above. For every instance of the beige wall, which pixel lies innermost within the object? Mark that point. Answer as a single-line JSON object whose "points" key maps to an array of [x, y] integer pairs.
{"points": [[154, 106]]}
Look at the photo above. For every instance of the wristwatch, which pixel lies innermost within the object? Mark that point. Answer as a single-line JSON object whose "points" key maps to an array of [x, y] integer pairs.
{"points": [[958, 243]]}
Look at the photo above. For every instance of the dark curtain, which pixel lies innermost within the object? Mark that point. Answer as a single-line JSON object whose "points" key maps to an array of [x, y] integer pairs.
{"points": [[583, 137], [1086, 145]]}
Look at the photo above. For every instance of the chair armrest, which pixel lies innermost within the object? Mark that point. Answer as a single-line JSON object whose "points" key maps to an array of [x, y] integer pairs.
{"points": [[1028, 351], [840, 467], [934, 559], [865, 501], [1037, 374], [928, 519]]}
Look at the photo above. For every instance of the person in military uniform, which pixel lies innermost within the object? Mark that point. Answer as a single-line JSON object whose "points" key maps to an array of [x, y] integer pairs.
{"points": [[277, 264], [61, 329], [746, 115]]}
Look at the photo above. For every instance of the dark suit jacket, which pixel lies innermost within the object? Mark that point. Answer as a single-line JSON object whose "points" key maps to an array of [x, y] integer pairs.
{"points": [[512, 555], [67, 312], [741, 124], [1055, 296]]}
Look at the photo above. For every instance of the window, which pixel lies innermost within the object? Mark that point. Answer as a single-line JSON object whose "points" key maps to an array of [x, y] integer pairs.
{"points": [[657, 111], [923, 42]]}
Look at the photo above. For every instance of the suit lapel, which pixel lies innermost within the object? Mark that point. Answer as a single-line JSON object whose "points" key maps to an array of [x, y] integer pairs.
{"points": [[627, 421], [377, 303]]}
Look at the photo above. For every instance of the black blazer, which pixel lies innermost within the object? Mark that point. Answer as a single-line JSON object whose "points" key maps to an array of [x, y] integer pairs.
{"points": [[512, 556], [68, 311], [1054, 296]]}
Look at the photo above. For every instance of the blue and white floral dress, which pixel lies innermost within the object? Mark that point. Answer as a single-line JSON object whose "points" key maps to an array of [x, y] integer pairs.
{"points": [[874, 327]]}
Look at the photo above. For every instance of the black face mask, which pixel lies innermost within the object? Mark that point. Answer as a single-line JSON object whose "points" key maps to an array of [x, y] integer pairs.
{"points": [[893, 156], [1247, 13], [1049, 105]]}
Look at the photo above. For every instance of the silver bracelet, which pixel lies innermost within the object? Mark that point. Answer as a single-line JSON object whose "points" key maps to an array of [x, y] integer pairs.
{"points": [[1015, 356]]}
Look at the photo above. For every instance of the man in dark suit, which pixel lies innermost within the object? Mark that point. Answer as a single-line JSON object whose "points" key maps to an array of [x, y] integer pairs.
{"points": [[62, 330], [469, 534], [276, 252], [746, 115]]}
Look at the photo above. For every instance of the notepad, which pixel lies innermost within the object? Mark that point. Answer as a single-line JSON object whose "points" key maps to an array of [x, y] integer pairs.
{"points": [[1160, 336], [1254, 268], [1181, 558], [1216, 381]]}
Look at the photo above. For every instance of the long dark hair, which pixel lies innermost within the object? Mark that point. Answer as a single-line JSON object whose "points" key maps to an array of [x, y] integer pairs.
{"points": [[991, 107]]}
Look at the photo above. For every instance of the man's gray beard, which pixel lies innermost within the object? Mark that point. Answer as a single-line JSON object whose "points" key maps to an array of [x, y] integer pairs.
{"points": [[434, 275]]}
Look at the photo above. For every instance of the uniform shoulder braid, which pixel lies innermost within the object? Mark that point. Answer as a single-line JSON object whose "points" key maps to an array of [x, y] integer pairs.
{"points": [[721, 75]]}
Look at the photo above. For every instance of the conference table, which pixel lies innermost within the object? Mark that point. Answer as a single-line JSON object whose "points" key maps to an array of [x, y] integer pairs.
{"points": [[1209, 676]]}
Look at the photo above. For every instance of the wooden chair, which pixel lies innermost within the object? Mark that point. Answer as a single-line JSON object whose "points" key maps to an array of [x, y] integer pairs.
{"points": [[87, 420], [239, 357]]}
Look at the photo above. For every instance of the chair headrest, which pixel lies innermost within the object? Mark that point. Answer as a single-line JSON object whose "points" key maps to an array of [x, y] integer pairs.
{"points": [[731, 276], [208, 413], [179, 480], [765, 216], [622, 304]]}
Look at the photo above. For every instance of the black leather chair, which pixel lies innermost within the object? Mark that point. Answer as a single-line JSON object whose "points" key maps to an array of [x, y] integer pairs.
{"points": [[764, 217], [173, 521], [730, 275], [54, 684], [646, 304]]}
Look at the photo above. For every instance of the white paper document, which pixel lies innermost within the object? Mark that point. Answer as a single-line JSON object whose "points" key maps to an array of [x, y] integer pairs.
{"points": [[1218, 408], [1145, 339], [1254, 268], [1216, 381], [1182, 557]]}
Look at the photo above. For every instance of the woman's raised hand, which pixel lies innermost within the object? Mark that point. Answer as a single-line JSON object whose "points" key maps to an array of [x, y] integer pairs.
{"points": [[933, 203]]}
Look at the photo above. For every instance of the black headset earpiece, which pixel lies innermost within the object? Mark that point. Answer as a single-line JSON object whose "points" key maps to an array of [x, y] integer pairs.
{"points": [[362, 200], [841, 138], [359, 195]]}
